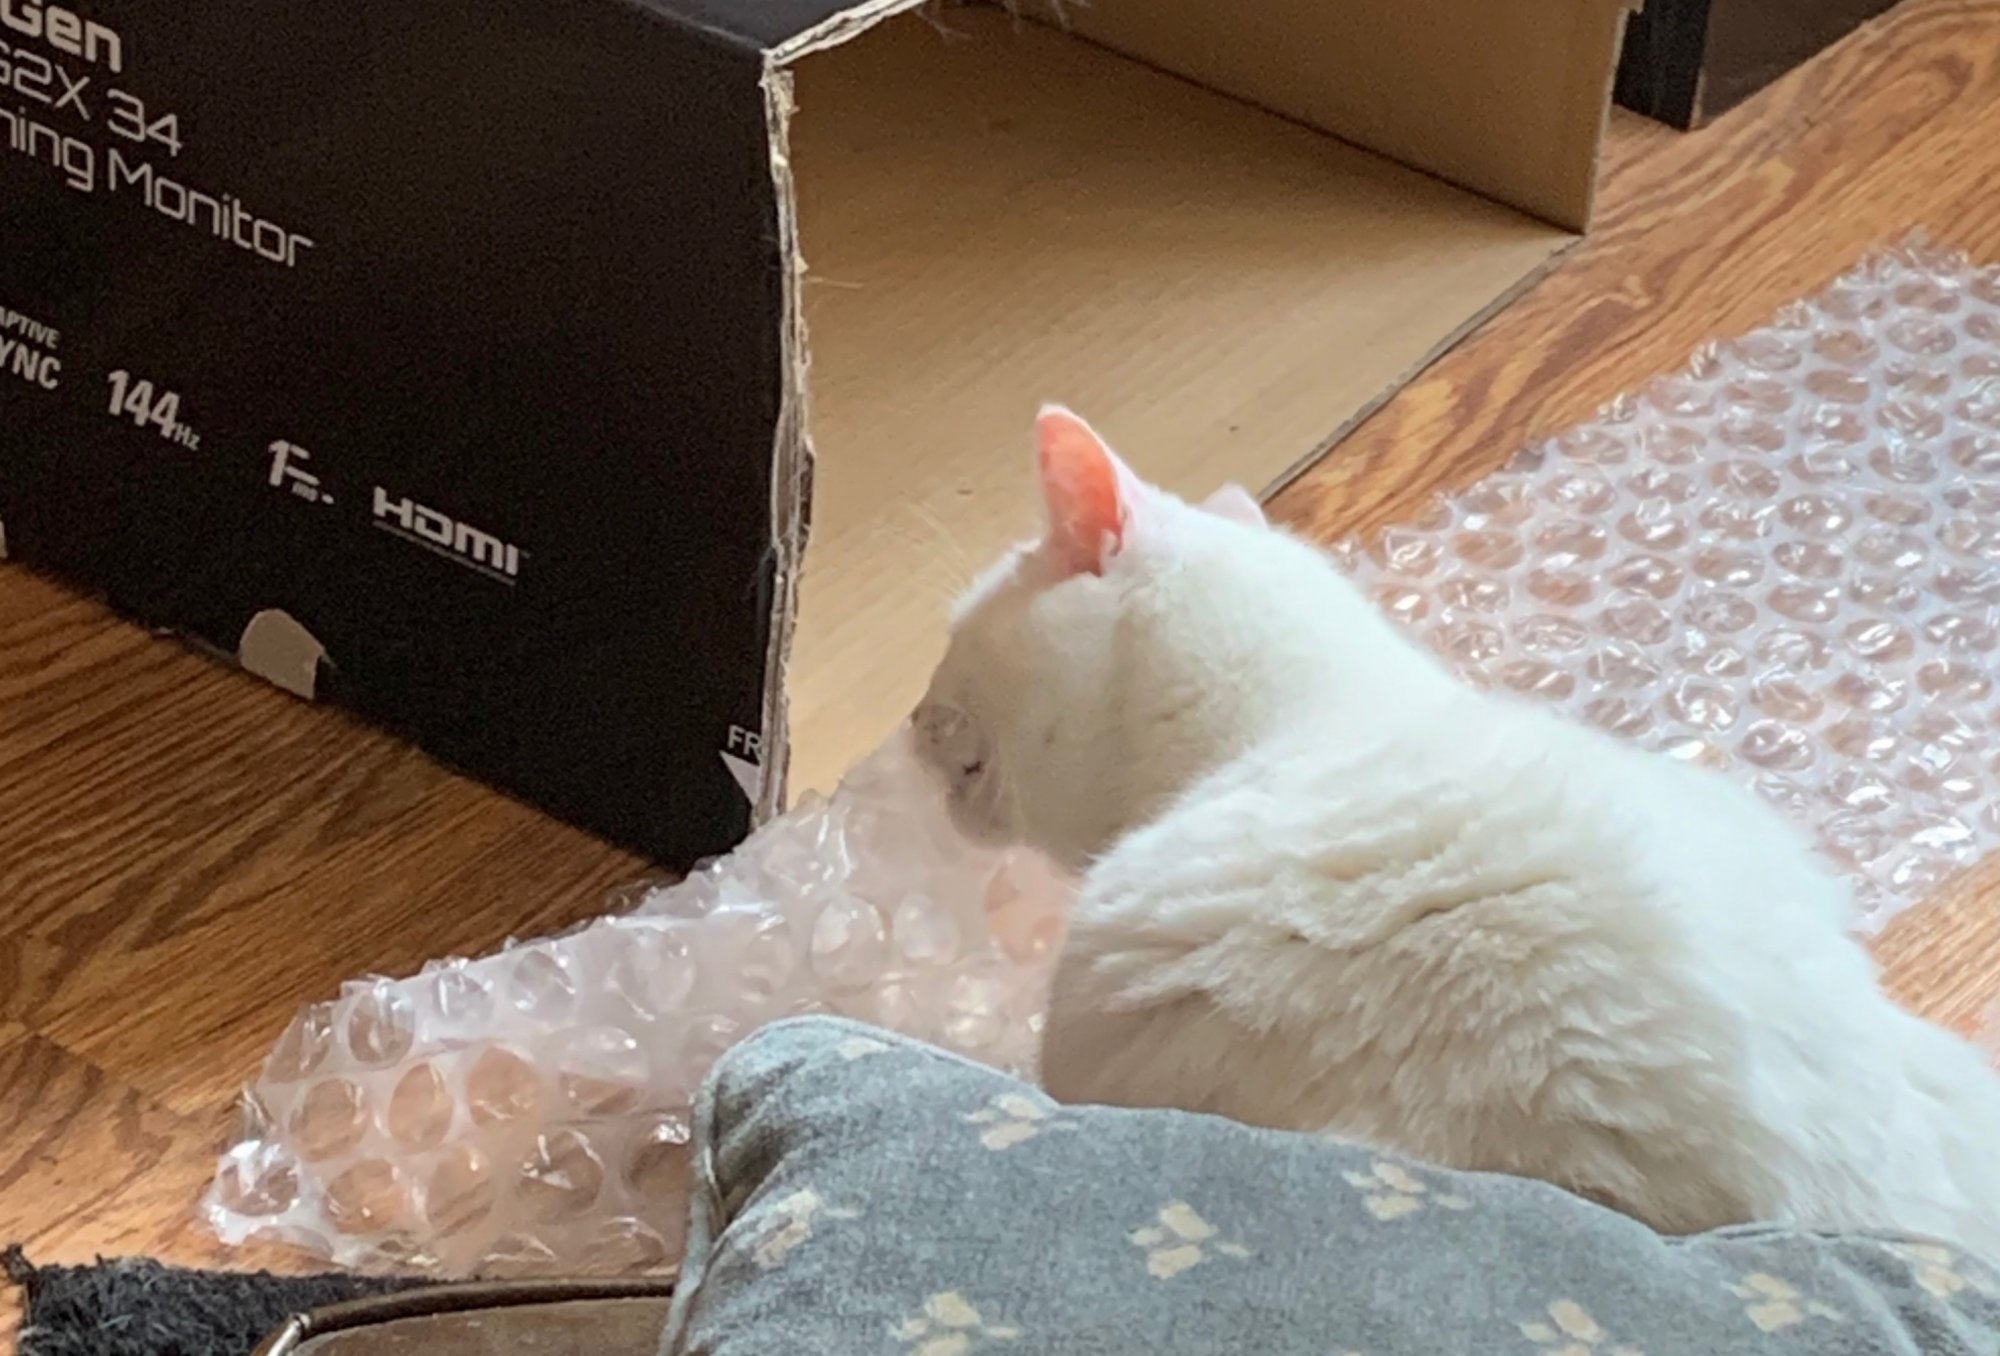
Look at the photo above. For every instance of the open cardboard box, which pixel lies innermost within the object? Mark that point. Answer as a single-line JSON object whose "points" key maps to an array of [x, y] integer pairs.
{"points": [[1162, 216], [513, 346]]}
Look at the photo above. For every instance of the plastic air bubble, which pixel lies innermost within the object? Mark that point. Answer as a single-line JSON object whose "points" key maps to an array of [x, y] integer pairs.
{"points": [[529, 1113]]}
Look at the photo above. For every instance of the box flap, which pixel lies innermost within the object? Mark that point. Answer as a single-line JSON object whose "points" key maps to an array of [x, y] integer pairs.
{"points": [[1013, 214], [1504, 97]]}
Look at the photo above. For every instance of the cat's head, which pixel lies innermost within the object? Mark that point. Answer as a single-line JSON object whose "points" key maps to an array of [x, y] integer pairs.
{"points": [[1095, 670]]}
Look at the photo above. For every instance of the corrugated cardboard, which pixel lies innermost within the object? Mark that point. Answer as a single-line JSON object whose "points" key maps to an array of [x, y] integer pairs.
{"points": [[652, 372]]}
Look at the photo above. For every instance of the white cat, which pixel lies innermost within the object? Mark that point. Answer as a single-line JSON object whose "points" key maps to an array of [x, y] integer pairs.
{"points": [[1328, 887]]}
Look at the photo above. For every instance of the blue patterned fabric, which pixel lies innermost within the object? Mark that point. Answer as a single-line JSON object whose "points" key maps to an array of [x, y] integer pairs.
{"points": [[857, 1193]]}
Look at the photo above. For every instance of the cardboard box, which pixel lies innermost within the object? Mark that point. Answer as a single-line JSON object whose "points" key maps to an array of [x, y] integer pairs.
{"points": [[1688, 61], [450, 361]]}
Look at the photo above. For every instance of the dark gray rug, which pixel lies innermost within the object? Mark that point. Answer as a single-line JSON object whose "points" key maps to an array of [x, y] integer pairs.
{"points": [[136, 1307]]}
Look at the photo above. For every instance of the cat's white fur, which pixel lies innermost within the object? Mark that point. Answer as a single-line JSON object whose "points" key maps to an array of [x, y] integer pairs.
{"points": [[1327, 887]]}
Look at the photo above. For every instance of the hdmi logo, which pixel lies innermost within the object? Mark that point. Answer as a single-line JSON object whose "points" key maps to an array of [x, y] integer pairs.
{"points": [[443, 535]]}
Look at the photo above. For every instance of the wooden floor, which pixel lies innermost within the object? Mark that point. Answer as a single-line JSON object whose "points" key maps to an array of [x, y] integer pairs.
{"points": [[186, 855]]}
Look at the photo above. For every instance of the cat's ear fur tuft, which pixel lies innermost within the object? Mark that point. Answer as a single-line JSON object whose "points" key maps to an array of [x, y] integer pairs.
{"points": [[1089, 492], [1236, 504]]}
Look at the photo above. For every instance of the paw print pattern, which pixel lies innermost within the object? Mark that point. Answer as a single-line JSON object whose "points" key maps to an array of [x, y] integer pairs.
{"points": [[1013, 1118], [1773, 1304], [1179, 1239], [1571, 1331], [1391, 1192], [948, 1325], [1936, 1269], [792, 1223]]}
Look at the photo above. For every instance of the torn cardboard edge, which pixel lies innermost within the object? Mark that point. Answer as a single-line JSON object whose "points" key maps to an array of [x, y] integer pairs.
{"points": [[791, 454], [793, 457]]}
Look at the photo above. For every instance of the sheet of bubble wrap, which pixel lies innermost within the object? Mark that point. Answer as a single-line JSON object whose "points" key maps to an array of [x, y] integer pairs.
{"points": [[1783, 561], [528, 1113]]}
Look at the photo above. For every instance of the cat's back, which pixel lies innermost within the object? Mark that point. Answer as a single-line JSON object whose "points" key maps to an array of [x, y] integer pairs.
{"points": [[1497, 783], [1447, 930], [1497, 940]]}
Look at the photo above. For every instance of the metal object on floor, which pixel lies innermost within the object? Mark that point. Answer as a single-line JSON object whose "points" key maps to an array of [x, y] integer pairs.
{"points": [[487, 1318]]}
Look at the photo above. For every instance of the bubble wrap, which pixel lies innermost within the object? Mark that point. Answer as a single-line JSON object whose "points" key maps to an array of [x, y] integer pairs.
{"points": [[1783, 562], [528, 1113]]}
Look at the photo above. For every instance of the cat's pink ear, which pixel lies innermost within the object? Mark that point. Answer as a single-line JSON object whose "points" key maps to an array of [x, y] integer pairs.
{"points": [[1237, 504], [1089, 492]]}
